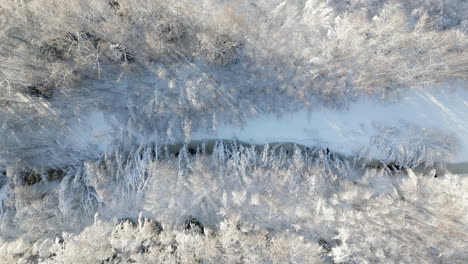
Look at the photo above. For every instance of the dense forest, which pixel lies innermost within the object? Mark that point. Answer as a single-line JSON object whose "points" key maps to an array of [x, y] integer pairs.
{"points": [[100, 101]]}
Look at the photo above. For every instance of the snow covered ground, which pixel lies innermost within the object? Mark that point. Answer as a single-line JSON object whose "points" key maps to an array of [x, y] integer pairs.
{"points": [[347, 131], [105, 106]]}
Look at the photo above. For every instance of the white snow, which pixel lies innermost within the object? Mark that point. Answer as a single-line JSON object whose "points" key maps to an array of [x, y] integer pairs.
{"points": [[348, 130], [93, 129], [77, 123]]}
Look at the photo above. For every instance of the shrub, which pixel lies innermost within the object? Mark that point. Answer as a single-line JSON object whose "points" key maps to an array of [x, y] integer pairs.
{"points": [[122, 52], [223, 50]]}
